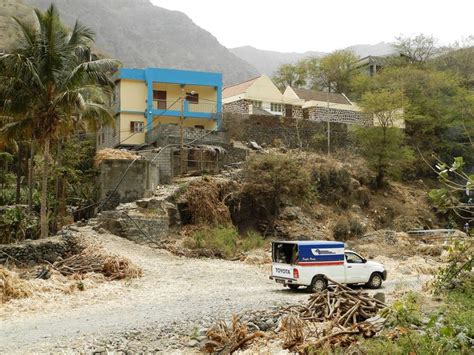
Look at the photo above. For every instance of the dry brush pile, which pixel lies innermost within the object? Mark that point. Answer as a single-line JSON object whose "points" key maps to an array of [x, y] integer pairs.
{"points": [[95, 259], [93, 264], [331, 318], [204, 200]]}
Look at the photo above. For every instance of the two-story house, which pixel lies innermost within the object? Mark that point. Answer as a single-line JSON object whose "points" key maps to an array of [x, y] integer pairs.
{"points": [[152, 99]]}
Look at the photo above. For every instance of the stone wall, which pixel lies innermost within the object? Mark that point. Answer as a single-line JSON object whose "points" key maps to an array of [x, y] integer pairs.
{"points": [[141, 180], [165, 134], [296, 111], [272, 130], [241, 107], [32, 252], [324, 114]]}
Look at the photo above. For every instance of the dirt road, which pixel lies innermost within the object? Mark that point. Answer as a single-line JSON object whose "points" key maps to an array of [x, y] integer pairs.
{"points": [[159, 312]]}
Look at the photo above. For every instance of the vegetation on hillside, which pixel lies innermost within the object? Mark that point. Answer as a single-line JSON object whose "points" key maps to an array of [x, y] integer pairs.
{"points": [[51, 89], [428, 87]]}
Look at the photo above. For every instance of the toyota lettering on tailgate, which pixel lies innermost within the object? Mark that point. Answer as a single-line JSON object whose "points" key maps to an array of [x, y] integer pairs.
{"points": [[282, 271]]}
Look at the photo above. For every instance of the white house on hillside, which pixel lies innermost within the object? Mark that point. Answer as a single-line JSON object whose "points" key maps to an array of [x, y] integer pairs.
{"points": [[255, 96]]}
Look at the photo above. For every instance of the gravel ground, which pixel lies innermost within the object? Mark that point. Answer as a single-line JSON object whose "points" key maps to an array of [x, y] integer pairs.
{"points": [[167, 310]]}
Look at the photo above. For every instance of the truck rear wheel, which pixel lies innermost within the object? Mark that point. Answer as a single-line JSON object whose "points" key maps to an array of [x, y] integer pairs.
{"points": [[375, 281], [319, 283], [293, 287]]}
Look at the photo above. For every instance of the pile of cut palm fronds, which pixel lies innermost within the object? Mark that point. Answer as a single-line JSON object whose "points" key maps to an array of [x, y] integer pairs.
{"points": [[95, 259]]}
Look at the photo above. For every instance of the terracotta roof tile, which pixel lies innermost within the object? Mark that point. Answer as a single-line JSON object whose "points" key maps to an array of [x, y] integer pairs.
{"points": [[238, 88]]}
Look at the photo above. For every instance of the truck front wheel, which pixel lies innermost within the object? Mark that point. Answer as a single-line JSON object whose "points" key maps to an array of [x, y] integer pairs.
{"points": [[375, 281], [319, 283]]}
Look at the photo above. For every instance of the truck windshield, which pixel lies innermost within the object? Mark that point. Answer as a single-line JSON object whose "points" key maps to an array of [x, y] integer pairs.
{"points": [[285, 253]]}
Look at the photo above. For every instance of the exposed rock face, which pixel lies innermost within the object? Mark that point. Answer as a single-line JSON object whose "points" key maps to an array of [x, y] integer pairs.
{"points": [[150, 220], [143, 35]]}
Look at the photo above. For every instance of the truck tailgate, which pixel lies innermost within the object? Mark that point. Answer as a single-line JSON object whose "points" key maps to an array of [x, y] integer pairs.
{"points": [[283, 271]]}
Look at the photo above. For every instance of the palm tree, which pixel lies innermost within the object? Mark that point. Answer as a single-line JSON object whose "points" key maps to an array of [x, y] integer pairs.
{"points": [[50, 87]]}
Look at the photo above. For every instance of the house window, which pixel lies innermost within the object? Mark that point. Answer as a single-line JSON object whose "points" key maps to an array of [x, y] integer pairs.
{"points": [[255, 103], [159, 99], [136, 127], [276, 107], [192, 98]]}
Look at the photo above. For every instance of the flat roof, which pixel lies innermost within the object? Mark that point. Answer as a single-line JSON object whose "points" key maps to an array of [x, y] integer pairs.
{"points": [[310, 242], [171, 76]]}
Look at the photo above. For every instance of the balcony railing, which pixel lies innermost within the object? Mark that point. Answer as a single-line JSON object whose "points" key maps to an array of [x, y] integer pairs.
{"points": [[173, 105]]}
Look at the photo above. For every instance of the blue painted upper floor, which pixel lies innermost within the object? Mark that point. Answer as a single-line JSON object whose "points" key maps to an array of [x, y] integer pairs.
{"points": [[172, 76], [204, 106]]}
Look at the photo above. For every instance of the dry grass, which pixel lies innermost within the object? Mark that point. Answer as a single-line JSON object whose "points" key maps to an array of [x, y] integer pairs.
{"points": [[12, 286], [110, 153], [205, 202]]}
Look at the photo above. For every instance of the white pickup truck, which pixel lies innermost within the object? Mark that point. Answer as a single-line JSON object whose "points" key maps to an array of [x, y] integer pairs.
{"points": [[310, 263]]}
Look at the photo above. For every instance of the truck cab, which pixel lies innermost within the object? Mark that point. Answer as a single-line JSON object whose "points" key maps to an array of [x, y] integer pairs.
{"points": [[312, 263]]}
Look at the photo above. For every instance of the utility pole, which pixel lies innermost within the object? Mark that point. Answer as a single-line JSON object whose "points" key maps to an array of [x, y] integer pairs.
{"points": [[181, 135], [328, 123]]}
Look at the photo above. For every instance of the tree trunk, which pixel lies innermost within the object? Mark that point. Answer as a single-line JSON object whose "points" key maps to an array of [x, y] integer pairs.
{"points": [[44, 192], [30, 176], [61, 188], [18, 175]]}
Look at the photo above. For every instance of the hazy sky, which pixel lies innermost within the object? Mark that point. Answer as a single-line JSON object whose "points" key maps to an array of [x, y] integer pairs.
{"points": [[302, 25]]}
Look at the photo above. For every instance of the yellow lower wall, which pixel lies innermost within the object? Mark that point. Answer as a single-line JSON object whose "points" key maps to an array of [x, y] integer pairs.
{"points": [[130, 138], [126, 136]]}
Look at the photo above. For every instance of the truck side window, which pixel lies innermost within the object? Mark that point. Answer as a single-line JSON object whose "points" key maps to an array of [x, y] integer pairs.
{"points": [[353, 258]]}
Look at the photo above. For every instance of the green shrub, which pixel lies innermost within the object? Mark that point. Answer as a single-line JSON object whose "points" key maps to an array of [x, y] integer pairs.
{"points": [[449, 329], [223, 241], [347, 227], [271, 180], [219, 241], [333, 186], [17, 224], [355, 227], [341, 229], [252, 241]]}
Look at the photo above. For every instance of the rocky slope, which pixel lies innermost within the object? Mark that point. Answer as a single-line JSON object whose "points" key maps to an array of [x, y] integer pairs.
{"points": [[139, 34]]}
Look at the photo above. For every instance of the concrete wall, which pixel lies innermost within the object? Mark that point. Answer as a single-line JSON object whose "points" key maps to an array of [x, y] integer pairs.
{"points": [[140, 180], [164, 160]]}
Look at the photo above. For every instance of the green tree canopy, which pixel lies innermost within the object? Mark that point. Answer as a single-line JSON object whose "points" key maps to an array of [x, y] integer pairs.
{"points": [[384, 144], [293, 75], [50, 87]]}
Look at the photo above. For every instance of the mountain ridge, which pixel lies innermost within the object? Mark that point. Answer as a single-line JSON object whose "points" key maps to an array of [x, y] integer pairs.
{"points": [[139, 34], [268, 61]]}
